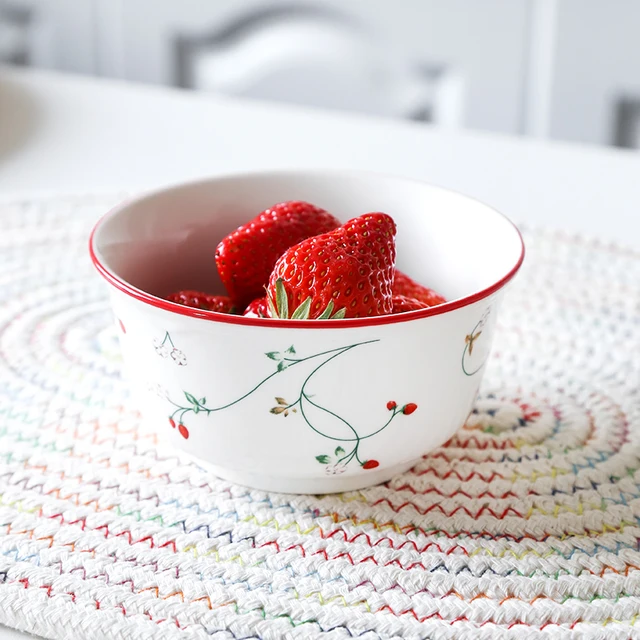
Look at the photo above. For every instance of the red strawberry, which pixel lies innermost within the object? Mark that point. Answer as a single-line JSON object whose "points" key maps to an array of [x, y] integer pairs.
{"points": [[408, 409], [403, 285], [346, 273], [200, 300], [257, 309], [402, 304], [370, 464], [246, 257]]}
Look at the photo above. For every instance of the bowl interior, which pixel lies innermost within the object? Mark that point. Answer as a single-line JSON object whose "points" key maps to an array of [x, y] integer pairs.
{"points": [[166, 241]]}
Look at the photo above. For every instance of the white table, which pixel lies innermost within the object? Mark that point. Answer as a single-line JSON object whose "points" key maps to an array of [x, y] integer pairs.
{"points": [[70, 134]]}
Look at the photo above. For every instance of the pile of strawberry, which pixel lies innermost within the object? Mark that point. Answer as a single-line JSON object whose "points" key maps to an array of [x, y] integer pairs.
{"points": [[311, 267]]}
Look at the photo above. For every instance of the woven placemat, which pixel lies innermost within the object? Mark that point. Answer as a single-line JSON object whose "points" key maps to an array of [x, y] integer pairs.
{"points": [[525, 525]]}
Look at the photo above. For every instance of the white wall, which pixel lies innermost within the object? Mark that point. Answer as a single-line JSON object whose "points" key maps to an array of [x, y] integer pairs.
{"points": [[595, 53]]}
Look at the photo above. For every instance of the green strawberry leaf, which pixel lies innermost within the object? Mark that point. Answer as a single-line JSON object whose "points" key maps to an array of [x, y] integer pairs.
{"points": [[282, 301], [274, 355], [196, 408], [302, 312], [203, 400], [326, 314], [339, 451], [290, 350], [282, 365], [340, 314], [323, 459]]}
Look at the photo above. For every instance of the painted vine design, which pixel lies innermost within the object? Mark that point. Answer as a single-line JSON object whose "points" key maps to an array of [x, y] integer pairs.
{"points": [[348, 447], [469, 343], [166, 349]]}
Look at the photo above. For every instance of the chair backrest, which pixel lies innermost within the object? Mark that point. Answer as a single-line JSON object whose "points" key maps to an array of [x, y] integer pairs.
{"points": [[317, 57]]}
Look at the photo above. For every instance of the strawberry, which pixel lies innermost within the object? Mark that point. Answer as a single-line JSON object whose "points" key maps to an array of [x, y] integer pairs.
{"points": [[345, 273], [403, 285], [199, 300], [402, 304], [257, 309], [246, 257]]}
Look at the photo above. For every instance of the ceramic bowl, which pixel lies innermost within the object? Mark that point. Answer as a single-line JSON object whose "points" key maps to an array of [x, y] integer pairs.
{"points": [[304, 406]]}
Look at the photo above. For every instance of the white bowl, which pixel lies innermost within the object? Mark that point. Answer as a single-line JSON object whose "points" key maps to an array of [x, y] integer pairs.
{"points": [[305, 406]]}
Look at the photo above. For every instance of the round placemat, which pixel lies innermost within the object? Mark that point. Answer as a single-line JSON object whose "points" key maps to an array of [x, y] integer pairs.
{"points": [[525, 525]]}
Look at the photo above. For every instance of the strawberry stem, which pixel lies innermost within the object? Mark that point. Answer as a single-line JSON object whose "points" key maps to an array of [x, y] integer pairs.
{"points": [[281, 307]]}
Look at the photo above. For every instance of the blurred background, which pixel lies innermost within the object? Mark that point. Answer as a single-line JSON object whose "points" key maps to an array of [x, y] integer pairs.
{"points": [[554, 69]]}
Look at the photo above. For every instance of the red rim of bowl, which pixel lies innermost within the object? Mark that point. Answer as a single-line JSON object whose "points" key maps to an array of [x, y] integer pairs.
{"points": [[214, 316]]}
